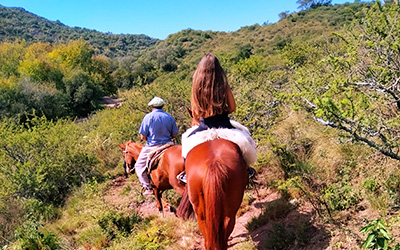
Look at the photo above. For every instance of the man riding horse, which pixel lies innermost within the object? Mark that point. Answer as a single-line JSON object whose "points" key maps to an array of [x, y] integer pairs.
{"points": [[158, 128]]}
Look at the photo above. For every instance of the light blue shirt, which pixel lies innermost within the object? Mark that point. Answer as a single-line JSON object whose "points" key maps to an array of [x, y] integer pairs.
{"points": [[158, 127]]}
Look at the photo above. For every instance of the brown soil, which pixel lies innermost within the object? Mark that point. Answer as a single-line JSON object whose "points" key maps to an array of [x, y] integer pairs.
{"points": [[303, 221]]}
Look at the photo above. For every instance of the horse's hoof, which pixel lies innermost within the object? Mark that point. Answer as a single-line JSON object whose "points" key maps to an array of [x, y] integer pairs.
{"points": [[172, 209]]}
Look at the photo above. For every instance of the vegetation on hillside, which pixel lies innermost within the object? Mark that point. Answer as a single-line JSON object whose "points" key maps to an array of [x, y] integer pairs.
{"points": [[56, 81], [18, 24], [318, 90]]}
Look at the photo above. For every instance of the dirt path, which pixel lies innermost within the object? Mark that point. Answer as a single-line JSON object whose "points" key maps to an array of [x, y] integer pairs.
{"points": [[148, 207], [240, 234]]}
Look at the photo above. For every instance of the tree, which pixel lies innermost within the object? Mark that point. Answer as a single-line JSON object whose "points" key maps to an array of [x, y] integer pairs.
{"points": [[100, 71], [84, 95], [392, 1], [37, 64], [283, 14], [357, 90], [312, 4], [10, 56]]}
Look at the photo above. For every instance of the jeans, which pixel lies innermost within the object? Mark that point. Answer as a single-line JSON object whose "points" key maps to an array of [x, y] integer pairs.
{"points": [[140, 165]]}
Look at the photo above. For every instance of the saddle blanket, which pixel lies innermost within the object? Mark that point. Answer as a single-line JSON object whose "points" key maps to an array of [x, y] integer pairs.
{"points": [[240, 135], [154, 156]]}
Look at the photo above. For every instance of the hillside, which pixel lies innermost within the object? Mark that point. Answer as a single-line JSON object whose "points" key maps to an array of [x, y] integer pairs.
{"points": [[318, 90], [17, 23]]}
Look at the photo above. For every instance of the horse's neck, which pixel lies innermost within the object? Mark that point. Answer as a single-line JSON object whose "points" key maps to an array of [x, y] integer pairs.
{"points": [[136, 151]]}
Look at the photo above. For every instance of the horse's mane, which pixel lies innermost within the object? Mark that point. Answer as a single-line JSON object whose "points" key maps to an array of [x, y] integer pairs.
{"points": [[134, 145]]}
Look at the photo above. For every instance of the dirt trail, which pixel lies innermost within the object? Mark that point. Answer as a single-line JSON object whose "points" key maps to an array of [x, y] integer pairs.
{"points": [[148, 207]]}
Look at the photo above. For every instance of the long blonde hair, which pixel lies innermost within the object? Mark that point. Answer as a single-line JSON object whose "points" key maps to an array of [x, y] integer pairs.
{"points": [[209, 89]]}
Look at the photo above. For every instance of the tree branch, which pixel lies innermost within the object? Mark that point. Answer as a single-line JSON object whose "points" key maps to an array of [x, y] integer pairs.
{"points": [[357, 137]]}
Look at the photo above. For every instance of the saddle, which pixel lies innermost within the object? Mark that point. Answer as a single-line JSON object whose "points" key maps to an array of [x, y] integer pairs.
{"points": [[153, 158], [239, 135]]}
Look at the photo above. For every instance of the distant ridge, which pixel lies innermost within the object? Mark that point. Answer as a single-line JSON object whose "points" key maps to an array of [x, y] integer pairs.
{"points": [[17, 23]]}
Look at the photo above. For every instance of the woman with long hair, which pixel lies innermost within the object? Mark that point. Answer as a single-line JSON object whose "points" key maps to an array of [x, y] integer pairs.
{"points": [[212, 99]]}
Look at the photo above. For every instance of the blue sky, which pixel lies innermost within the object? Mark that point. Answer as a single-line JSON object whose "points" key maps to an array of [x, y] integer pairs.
{"points": [[158, 18]]}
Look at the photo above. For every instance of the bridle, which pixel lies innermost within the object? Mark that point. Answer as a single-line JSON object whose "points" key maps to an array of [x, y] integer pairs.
{"points": [[126, 164]]}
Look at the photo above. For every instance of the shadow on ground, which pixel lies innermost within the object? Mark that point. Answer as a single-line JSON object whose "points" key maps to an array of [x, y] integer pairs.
{"points": [[287, 227]]}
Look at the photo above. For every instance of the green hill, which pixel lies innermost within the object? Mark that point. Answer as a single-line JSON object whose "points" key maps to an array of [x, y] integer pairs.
{"points": [[17, 23]]}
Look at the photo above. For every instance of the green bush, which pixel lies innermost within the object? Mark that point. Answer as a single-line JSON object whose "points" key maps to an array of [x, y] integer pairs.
{"points": [[31, 237], [116, 224], [370, 184], [44, 160], [341, 195]]}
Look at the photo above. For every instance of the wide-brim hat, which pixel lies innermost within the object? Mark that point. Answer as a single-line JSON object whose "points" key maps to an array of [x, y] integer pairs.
{"points": [[156, 102]]}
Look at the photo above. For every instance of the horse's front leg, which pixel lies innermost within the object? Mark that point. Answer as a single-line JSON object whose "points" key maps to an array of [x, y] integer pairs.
{"points": [[158, 194], [126, 171]]}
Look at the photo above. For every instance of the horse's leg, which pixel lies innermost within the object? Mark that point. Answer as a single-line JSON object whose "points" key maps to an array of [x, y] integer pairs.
{"points": [[158, 195], [167, 206], [196, 198], [229, 225], [185, 208], [233, 200], [125, 169], [200, 212]]}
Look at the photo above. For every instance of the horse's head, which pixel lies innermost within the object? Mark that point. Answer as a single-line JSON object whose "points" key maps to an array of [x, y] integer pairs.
{"points": [[130, 152]]}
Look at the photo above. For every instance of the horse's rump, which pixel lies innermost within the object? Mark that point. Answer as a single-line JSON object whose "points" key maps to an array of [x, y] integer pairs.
{"points": [[217, 177]]}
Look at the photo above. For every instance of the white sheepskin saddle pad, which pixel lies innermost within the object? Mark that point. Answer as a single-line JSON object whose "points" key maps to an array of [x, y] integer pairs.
{"points": [[240, 135]]}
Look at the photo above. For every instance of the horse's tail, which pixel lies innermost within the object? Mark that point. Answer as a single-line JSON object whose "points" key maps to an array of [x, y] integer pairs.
{"points": [[214, 180], [185, 208]]}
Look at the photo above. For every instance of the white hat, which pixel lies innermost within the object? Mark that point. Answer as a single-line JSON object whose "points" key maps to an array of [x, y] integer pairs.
{"points": [[156, 102]]}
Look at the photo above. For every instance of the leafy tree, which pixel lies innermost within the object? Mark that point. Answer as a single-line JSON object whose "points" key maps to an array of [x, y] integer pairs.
{"points": [[76, 55], [38, 66], [43, 160], [283, 14], [356, 90], [312, 4], [16, 24], [10, 56], [84, 95], [100, 71]]}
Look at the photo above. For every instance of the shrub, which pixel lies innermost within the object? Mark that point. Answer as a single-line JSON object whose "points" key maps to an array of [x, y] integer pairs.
{"points": [[44, 160], [30, 237], [341, 195], [116, 224]]}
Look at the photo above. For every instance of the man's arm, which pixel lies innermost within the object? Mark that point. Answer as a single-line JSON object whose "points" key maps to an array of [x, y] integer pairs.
{"points": [[144, 138]]}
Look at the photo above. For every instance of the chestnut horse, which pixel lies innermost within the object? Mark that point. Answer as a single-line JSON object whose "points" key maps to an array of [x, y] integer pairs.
{"points": [[216, 179], [163, 177]]}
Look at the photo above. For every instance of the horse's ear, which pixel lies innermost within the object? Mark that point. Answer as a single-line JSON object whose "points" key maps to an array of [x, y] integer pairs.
{"points": [[190, 112], [121, 146]]}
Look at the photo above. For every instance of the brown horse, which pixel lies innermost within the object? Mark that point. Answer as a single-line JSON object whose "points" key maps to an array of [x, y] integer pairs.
{"points": [[216, 180], [163, 177]]}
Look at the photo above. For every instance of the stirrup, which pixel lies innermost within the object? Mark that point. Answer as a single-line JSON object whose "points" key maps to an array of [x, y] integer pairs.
{"points": [[182, 177], [251, 171]]}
